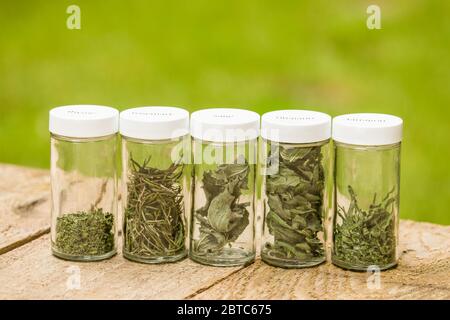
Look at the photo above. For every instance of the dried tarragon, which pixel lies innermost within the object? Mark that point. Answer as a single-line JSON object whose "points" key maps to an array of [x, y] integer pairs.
{"points": [[366, 237]]}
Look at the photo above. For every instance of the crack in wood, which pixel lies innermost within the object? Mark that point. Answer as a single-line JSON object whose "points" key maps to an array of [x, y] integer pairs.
{"points": [[29, 205], [23, 241], [214, 283]]}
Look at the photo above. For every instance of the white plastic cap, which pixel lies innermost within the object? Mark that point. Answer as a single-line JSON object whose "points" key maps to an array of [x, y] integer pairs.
{"points": [[367, 129], [225, 125], [84, 121], [154, 123], [296, 126]]}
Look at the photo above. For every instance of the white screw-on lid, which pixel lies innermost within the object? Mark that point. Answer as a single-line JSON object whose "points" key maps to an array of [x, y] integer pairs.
{"points": [[154, 123], [225, 125], [84, 121], [296, 126], [368, 129]]}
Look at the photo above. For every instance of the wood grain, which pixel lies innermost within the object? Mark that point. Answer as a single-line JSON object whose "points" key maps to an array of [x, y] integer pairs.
{"points": [[423, 273], [31, 272], [24, 205]]}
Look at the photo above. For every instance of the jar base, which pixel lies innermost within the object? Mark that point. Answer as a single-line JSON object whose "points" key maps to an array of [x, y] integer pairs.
{"points": [[82, 258], [352, 267], [292, 264], [156, 260], [228, 258]]}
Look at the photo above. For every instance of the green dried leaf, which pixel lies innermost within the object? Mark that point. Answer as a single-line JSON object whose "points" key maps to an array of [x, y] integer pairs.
{"points": [[220, 215], [293, 154], [85, 233], [240, 222], [294, 196], [365, 238], [153, 224], [222, 220]]}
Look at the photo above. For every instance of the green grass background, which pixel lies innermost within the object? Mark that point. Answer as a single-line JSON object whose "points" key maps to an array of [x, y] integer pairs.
{"points": [[260, 55]]}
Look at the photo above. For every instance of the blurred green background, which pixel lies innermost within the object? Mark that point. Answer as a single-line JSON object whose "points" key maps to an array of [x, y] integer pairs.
{"points": [[260, 55]]}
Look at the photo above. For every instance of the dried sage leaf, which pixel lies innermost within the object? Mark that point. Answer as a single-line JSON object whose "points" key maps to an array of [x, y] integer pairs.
{"points": [[295, 199]]}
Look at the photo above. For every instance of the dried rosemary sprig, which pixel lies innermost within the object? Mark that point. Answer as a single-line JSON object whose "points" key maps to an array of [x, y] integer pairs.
{"points": [[85, 233], [366, 237], [295, 198], [153, 225], [222, 219]]}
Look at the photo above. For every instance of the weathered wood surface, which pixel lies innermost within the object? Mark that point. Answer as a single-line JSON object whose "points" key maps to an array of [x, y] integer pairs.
{"points": [[24, 205], [29, 271], [423, 273]]}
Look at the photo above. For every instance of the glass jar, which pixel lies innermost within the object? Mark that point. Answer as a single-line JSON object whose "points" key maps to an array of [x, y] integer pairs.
{"points": [[367, 188], [156, 181], [84, 182], [222, 231], [295, 187]]}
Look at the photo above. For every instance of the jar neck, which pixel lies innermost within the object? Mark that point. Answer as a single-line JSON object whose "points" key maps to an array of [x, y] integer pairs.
{"points": [[298, 145], [147, 141], [78, 140], [366, 147], [222, 143]]}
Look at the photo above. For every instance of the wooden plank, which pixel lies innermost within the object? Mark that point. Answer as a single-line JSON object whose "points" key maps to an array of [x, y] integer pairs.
{"points": [[25, 205], [31, 272], [423, 273]]}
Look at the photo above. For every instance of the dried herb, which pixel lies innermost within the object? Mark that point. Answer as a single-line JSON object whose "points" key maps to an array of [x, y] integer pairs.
{"points": [[295, 198], [85, 233], [153, 224], [366, 237], [222, 219]]}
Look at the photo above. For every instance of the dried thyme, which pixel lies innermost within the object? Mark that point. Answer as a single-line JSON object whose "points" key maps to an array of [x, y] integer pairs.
{"points": [[366, 237], [85, 233], [295, 198], [153, 225], [222, 219]]}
